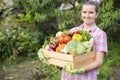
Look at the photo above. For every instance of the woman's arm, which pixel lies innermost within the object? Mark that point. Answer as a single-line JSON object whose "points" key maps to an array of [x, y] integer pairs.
{"points": [[97, 63]]}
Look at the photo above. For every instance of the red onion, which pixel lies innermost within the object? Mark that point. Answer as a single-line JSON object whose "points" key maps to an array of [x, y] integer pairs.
{"points": [[52, 46], [50, 49]]}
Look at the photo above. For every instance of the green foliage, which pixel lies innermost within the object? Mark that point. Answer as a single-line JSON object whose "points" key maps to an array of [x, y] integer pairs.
{"points": [[25, 18], [17, 39], [48, 11], [45, 12], [41, 10], [2, 4], [70, 18], [109, 16], [22, 34], [114, 55], [105, 73], [111, 60], [46, 72]]}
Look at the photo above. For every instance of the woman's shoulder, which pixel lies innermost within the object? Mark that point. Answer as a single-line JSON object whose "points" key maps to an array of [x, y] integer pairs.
{"points": [[100, 32], [76, 28]]}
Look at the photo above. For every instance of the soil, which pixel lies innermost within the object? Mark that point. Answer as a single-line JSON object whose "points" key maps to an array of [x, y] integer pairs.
{"points": [[22, 71], [116, 73]]}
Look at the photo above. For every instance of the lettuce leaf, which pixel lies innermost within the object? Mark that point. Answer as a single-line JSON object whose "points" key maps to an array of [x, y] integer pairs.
{"points": [[75, 46]]}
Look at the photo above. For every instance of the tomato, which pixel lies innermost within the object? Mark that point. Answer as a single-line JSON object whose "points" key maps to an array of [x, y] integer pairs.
{"points": [[61, 40], [77, 32], [67, 39], [64, 34]]}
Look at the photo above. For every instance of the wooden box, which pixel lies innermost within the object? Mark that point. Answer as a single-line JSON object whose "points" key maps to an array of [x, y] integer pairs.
{"points": [[60, 59]]}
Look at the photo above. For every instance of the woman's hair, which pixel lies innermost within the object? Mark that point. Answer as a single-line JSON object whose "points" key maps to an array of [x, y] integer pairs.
{"points": [[94, 3]]}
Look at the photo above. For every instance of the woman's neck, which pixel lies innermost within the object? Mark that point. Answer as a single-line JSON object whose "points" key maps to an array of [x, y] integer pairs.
{"points": [[87, 27]]}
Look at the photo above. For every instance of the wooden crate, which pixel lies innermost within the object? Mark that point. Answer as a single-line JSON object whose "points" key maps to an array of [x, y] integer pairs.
{"points": [[60, 59]]}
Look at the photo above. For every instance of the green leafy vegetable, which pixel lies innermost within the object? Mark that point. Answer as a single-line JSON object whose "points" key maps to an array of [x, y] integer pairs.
{"points": [[88, 44], [42, 56], [75, 46], [85, 36], [69, 70]]}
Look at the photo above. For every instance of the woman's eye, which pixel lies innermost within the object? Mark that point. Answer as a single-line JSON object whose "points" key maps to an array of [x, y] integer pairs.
{"points": [[91, 12], [84, 11]]}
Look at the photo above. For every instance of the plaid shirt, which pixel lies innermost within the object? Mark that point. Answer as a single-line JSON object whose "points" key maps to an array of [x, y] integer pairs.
{"points": [[100, 44]]}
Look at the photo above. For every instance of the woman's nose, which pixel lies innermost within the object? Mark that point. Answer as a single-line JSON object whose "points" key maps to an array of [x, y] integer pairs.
{"points": [[87, 14]]}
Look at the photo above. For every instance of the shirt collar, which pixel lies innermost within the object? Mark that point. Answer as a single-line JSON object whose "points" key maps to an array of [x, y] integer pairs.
{"points": [[92, 29]]}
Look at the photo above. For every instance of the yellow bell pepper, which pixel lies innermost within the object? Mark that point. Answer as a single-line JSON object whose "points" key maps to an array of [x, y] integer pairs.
{"points": [[77, 37]]}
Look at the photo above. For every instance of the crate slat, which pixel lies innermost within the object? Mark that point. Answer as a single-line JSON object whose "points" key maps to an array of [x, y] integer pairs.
{"points": [[58, 62], [60, 59], [83, 57], [82, 63], [60, 56]]}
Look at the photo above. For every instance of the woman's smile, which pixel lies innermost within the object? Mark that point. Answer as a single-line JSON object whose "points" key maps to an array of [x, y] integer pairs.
{"points": [[88, 14]]}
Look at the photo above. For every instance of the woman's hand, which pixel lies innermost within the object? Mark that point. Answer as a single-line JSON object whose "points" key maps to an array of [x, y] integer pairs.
{"points": [[69, 70]]}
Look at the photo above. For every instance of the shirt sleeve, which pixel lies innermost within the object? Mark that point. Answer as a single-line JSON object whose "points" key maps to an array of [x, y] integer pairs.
{"points": [[101, 42]]}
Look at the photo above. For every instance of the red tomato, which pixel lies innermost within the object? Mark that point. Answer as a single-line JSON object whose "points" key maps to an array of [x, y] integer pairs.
{"points": [[64, 34], [77, 32], [67, 39], [61, 40]]}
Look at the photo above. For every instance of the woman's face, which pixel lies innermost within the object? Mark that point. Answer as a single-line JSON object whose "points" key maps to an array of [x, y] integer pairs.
{"points": [[88, 14]]}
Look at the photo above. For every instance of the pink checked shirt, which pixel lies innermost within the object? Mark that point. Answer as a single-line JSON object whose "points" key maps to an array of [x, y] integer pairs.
{"points": [[100, 44]]}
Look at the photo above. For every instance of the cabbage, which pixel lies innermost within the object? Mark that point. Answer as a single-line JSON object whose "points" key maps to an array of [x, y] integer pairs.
{"points": [[75, 46]]}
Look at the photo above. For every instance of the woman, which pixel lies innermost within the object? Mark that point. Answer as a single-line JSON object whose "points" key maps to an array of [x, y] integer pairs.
{"points": [[89, 13]]}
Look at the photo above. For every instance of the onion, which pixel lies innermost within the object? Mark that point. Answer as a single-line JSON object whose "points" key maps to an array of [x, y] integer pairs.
{"points": [[52, 46], [50, 49], [59, 33]]}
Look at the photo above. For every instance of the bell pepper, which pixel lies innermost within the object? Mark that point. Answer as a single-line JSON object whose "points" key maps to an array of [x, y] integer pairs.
{"points": [[77, 37]]}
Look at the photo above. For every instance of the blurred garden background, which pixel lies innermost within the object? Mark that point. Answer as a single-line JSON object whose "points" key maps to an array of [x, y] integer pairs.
{"points": [[26, 24]]}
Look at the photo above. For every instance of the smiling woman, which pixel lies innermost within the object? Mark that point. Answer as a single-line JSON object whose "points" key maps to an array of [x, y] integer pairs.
{"points": [[89, 13]]}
